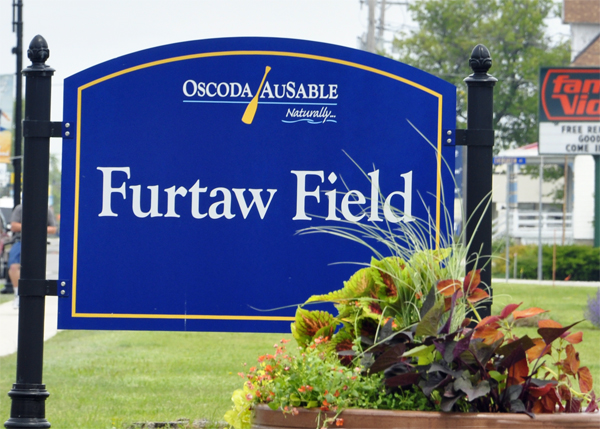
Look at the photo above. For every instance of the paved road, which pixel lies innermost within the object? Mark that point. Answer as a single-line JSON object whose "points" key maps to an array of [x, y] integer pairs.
{"points": [[9, 317]]}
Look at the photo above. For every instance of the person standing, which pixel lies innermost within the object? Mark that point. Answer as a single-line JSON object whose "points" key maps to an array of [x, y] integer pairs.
{"points": [[14, 257]]}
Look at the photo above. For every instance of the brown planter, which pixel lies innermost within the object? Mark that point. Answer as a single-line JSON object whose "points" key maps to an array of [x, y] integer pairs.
{"points": [[382, 419]]}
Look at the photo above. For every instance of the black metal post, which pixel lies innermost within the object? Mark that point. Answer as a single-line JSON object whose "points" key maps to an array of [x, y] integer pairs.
{"points": [[18, 50], [480, 143], [28, 394], [597, 201]]}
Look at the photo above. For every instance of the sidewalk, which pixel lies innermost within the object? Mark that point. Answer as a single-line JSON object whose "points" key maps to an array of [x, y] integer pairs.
{"points": [[9, 317], [546, 282], [9, 324]]}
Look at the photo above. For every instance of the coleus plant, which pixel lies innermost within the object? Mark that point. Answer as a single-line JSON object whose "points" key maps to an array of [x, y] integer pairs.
{"points": [[483, 366], [390, 292], [390, 289]]}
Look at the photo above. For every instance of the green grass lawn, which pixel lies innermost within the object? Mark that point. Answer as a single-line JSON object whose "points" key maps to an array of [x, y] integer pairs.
{"points": [[6, 298], [106, 379]]}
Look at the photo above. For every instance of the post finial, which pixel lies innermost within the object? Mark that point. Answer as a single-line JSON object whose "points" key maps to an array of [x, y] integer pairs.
{"points": [[481, 60], [38, 51]]}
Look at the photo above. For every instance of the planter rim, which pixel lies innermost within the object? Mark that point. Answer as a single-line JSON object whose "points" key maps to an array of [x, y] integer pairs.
{"points": [[390, 419]]}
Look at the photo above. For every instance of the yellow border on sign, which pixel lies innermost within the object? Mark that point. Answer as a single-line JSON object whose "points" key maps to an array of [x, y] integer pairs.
{"points": [[225, 54]]}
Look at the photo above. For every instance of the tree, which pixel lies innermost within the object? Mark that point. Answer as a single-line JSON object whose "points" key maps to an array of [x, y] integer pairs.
{"points": [[515, 33]]}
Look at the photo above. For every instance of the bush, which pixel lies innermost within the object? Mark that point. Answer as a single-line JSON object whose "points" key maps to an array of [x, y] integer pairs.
{"points": [[592, 313], [573, 262]]}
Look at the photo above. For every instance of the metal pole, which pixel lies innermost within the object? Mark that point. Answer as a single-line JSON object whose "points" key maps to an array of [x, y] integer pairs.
{"points": [[565, 182], [28, 394], [18, 50], [509, 168], [480, 142], [540, 215], [597, 202]]}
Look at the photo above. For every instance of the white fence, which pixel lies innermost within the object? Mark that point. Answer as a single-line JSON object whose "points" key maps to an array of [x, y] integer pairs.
{"points": [[524, 226]]}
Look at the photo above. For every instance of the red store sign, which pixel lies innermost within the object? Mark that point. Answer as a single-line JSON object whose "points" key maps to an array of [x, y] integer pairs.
{"points": [[569, 94]]}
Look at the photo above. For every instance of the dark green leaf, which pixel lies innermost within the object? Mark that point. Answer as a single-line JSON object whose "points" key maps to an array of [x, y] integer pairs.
{"points": [[483, 352], [517, 406], [430, 322], [446, 328], [386, 331], [388, 358], [551, 334], [429, 302], [514, 391], [435, 380], [541, 383], [462, 345], [399, 368], [524, 343], [448, 402], [407, 379], [449, 351], [473, 392], [440, 367]]}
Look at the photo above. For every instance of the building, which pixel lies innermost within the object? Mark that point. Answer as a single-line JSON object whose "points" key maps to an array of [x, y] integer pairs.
{"points": [[583, 16]]}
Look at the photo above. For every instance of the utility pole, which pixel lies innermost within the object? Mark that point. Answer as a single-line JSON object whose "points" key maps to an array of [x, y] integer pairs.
{"points": [[380, 27], [371, 29], [18, 50]]}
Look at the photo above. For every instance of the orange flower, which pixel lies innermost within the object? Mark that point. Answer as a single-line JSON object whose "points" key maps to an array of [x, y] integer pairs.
{"points": [[321, 340], [339, 422]]}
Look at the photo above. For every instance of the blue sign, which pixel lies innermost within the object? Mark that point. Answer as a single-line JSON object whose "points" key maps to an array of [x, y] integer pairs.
{"points": [[188, 170], [498, 160]]}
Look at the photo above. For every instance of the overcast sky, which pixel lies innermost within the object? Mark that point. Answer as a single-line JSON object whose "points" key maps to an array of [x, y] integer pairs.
{"points": [[82, 33]]}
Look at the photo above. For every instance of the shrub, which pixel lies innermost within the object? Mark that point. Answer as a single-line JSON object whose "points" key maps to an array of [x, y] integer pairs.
{"points": [[575, 262]]}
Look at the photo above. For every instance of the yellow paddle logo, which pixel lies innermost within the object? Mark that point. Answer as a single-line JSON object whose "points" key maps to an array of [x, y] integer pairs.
{"points": [[253, 105]]}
